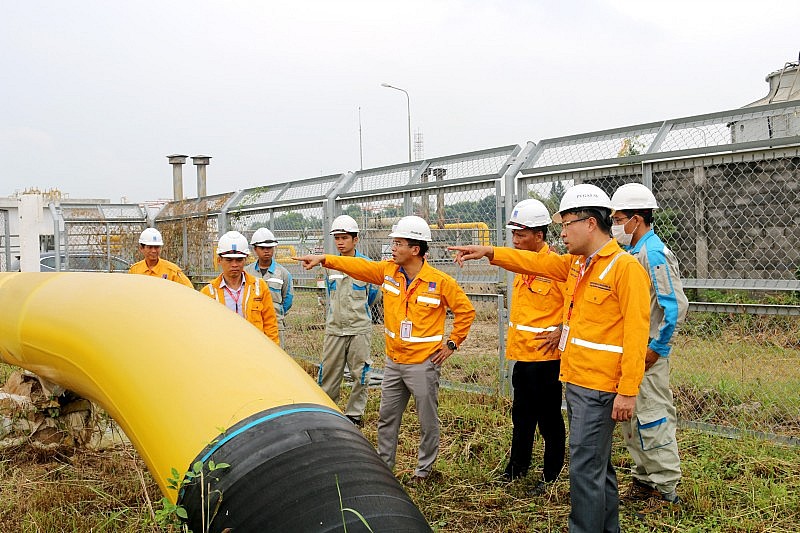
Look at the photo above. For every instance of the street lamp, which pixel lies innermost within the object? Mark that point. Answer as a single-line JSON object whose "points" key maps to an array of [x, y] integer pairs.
{"points": [[408, 104]]}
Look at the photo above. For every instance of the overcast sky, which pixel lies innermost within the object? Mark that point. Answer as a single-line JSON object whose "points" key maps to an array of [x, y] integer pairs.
{"points": [[96, 93]]}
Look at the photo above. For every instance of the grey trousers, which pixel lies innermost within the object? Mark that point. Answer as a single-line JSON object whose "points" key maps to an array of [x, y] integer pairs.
{"points": [[400, 382], [650, 433], [594, 496], [352, 350]]}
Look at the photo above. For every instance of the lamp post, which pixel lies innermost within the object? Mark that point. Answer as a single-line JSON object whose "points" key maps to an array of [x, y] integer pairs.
{"points": [[408, 104]]}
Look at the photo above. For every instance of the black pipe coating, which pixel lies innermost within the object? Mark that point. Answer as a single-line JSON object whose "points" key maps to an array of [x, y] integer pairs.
{"points": [[288, 466]]}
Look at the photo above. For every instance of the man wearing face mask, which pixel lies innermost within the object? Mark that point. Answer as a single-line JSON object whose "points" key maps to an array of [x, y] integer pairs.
{"points": [[650, 433]]}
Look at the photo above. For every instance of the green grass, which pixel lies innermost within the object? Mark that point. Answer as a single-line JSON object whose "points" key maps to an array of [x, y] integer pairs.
{"points": [[728, 485], [734, 372]]}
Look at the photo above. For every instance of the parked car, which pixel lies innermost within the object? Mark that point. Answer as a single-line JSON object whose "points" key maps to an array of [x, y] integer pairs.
{"points": [[83, 262]]}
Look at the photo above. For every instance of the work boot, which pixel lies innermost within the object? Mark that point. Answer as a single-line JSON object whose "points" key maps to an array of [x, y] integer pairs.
{"points": [[638, 491], [670, 503], [540, 488], [356, 420]]}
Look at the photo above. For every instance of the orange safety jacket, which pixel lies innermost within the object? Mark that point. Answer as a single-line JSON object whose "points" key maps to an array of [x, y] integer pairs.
{"points": [[257, 303], [537, 304], [164, 269], [424, 303], [609, 321]]}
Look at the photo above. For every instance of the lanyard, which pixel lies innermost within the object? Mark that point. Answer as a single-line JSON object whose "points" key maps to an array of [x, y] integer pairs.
{"points": [[577, 282], [527, 279], [409, 293], [234, 296]]}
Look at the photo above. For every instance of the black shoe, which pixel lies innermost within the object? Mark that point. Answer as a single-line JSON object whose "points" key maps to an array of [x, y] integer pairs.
{"points": [[510, 474], [356, 420], [505, 477], [540, 488], [416, 480]]}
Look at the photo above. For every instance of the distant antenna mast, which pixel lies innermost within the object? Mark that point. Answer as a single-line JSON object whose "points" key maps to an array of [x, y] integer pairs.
{"points": [[419, 148]]}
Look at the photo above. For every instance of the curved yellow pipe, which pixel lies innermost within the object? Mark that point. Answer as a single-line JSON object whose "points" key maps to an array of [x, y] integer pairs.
{"points": [[171, 366]]}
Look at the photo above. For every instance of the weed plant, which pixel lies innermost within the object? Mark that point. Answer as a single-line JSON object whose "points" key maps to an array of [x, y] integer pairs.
{"points": [[731, 485]]}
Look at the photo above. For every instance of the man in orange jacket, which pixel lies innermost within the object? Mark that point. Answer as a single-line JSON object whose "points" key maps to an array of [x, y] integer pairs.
{"points": [[150, 243], [416, 297], [603, 342], [537, 304], [242, 293]]}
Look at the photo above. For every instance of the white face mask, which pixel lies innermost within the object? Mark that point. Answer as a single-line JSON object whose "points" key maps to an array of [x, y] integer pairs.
{"points": [[618, 232]]}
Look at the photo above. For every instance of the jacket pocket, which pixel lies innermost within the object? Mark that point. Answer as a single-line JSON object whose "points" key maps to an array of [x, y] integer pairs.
{"points": [[540, 286], [654, 430], [429, 301], [594, 296]]}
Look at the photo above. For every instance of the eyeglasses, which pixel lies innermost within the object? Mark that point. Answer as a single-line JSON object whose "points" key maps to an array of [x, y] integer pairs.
{"points": [[620, 220], [565, 224], [396, 244]]}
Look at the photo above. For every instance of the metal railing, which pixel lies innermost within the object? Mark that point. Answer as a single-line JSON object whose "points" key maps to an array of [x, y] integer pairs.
{"points": [[727, 186]]}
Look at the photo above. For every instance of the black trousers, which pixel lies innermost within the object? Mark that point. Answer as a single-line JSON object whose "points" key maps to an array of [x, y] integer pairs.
{"points": [[537, 402]]}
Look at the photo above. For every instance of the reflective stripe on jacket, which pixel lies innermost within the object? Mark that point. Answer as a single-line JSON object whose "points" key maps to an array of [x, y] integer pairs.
{"points": [[279, 281], [256, 311], [348, 303], [537, 304], [164, 269], [610, 319], [668, 303], [428, 297]]}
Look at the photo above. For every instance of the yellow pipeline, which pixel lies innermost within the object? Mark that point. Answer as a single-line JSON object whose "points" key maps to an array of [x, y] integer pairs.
{"points": [[172, 367], [481, 230]]}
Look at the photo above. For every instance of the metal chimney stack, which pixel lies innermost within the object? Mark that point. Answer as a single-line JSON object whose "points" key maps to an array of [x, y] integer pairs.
{"points": [[177, 161], [201, 161]]}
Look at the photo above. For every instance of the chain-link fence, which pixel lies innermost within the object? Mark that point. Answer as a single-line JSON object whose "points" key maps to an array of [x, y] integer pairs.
{"points": [[727, 186], [190, 229], [730, 217], [94, 237]]}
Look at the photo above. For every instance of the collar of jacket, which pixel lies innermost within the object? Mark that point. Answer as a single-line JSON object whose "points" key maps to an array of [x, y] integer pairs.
{"points": [[640, 244]]}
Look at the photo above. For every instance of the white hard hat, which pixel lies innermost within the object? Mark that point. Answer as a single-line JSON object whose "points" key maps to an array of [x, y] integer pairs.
{"points": [[343, 224], [264, 237], [581, 196], [233, 244], [412, 227], [152, 237], [529, 213], [633, 196]]}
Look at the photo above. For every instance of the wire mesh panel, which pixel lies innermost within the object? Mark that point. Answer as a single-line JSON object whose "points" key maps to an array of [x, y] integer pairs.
{"points": [[97, 237], [190, 229], [595, 147], [491, 162], [731, 221], [382, 178], [298, 230], [463, 213], [733, 217]]}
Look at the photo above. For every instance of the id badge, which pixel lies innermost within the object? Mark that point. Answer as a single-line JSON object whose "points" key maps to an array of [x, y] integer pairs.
{"points": [[562, 342], [405, 329]]}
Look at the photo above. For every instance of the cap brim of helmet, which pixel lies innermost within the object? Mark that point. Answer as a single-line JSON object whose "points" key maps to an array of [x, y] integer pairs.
{"points": [[234, 254], [265, 244]]}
